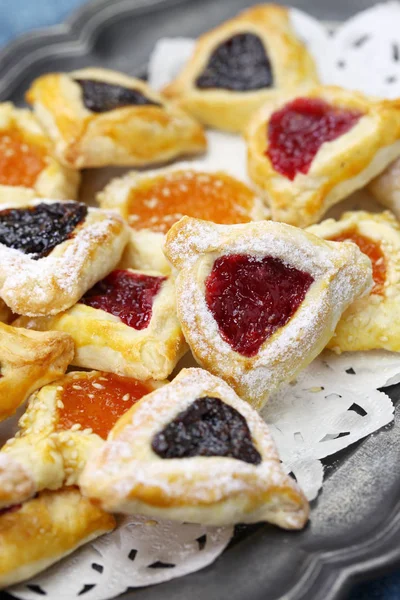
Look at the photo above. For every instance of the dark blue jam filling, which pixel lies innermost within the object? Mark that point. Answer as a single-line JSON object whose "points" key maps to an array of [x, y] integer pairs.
{"points": [[239, 64], [99, 96], [208, 427], [38, 229]]}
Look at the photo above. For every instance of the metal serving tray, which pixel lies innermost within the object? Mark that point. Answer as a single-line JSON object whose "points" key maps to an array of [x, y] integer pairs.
{"points": [[354, 532]]}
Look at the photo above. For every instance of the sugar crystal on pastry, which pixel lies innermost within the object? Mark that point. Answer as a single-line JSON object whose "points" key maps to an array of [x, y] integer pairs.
{"points": [[257, 302], [194, 451]]}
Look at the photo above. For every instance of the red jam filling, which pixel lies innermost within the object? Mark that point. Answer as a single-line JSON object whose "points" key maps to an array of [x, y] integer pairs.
{"points": [[126, 295], [374, 252], [251, 298], [298, 130], [98, 401]]}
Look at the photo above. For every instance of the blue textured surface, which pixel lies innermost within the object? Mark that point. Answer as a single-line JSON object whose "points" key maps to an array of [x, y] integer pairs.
{"points": [[19, 16]]}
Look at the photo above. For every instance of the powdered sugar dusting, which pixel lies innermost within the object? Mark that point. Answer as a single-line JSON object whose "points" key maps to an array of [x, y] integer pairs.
{"points": [[340, 271], [126, 463], [56, 281]]}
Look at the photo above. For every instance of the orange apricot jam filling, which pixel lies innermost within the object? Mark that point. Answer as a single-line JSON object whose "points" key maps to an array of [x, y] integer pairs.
{"points": [[159, 202], [21, 159], [98, 401], [374, 252]]}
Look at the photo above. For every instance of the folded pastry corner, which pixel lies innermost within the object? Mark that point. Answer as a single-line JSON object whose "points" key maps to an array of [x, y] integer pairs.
{"points": [[64, 422], [239, 65], [52, 252], [309, 149], [126, 324], [98, 117], [194, 451], [258, 302], [44, 530], [28, 361], [373, 321]]}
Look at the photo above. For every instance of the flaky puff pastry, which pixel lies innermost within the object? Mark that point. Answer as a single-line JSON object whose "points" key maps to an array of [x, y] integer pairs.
{"points": [[111, 119], [258, 302], [386, 188], [282, 62], [146, 343], [52, 252], [152, 202], [29, 360], [27, 167], [64, 422], [373, 321], [46, 529], [194, 451], [339, 167]]}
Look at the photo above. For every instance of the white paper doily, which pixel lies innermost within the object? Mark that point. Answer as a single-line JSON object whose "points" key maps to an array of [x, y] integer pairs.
{"points": [[139, 552], [333, 403]]}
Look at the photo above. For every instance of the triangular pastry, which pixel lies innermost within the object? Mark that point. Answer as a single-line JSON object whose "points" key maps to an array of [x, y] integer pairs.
{"points": [[126, 324], [44, 530], [373, 321], [63, 423], [27, 167], [238, 65], [153, 201], [194, 451], [310, 149], [97, 117], [29, 360], [52, 252], [258, 302]]}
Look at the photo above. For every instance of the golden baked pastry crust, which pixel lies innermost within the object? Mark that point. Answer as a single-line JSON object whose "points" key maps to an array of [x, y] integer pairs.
{"points": [[127, 475], [127, 136], [54, 180], [29, 360], [104, 342], [58, 280], [339, 168], [44, 454], [128, 196], [373, 321], [292, 66], [340, 274], [46, 529]]}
